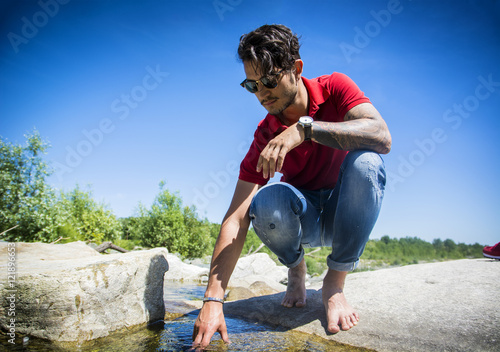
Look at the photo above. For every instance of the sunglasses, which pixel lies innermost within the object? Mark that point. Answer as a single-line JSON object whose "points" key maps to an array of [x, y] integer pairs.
{"points": [[269, 81]]}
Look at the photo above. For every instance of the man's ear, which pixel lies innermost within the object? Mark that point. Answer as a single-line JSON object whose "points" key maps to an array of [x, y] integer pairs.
{"points": [[298, 66]]}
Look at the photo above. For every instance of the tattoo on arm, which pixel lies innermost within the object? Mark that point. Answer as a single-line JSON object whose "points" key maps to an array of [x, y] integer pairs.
{"points": [[363, 128]]}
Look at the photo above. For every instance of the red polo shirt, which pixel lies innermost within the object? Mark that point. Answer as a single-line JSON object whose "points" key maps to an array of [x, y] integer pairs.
{"points": [[310, 166]]}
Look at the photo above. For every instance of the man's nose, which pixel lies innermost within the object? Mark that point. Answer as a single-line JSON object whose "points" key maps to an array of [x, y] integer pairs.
{"points": [[262, 92]]}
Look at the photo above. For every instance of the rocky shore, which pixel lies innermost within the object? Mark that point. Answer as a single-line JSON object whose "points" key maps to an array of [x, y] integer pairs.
{"points": [[444, 306], [72, 293]]}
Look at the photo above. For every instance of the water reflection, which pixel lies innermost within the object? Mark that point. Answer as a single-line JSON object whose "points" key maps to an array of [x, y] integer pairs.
{"points": [[244, 336]]}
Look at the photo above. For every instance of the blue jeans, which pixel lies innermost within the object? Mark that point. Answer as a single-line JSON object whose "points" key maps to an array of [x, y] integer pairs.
{"points": [[288, 219]]}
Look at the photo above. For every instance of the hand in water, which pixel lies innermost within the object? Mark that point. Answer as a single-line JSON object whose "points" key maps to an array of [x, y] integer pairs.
{"points": [[210, 320]]}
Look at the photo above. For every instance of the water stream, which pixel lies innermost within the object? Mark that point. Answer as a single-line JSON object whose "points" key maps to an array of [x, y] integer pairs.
{"points": [[176, 335]]}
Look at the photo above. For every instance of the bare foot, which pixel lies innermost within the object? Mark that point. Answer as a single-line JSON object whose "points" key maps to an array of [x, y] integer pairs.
{"points": [[296, 288], [339, 314]]}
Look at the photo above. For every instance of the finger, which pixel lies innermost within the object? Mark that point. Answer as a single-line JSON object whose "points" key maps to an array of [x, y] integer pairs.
{"points": [[264, 166], [198, 334], [263, 157], [273, 161], [206, 340], [196, 338], [207, 336], [223, 333], [281, 159], [195, 333], [272, 167], [263, 162], [259, 164]]}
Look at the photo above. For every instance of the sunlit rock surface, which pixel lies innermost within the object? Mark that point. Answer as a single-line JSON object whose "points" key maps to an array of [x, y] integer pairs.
{"points": [[180, 271], [258, 268], [447, 306]]}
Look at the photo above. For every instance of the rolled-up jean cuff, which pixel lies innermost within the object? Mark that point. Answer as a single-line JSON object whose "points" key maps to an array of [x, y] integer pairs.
{"points": [[341, 266], [297, 262]]}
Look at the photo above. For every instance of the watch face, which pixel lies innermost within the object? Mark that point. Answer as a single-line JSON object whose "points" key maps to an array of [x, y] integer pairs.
{"points": [[306, 119]]}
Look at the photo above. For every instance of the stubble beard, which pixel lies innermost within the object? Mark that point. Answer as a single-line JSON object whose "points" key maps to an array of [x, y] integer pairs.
{"points": [[288, 99]]}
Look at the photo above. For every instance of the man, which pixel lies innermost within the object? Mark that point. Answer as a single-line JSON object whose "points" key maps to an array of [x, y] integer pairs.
{"points": [[328, 196]]}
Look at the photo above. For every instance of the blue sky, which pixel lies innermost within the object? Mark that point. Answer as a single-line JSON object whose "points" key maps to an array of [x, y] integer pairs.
{"points": [[129, 93]]}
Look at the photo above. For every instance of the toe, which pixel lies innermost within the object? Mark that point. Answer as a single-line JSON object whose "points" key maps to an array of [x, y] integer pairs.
{"points": [[300, 303], [333, 322], [344, 323], [333, 328], [286, 303]]}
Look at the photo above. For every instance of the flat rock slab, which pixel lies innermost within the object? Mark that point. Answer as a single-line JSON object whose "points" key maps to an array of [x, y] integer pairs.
{"points": [[446, 306], [69, 292]]}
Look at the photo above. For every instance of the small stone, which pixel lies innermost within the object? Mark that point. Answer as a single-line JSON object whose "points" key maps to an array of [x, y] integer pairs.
{"points": [[237, 293]]}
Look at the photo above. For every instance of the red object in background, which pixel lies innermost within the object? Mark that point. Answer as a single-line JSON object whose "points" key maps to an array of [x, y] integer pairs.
{"points": [[492, 252]]}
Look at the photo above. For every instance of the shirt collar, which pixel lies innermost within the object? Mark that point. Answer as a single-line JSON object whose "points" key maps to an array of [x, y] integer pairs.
{"points": [[318, 94], [275, 124]]}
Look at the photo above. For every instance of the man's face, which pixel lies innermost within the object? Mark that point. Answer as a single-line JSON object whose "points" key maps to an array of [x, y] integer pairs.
{"points": [[274, 100]]}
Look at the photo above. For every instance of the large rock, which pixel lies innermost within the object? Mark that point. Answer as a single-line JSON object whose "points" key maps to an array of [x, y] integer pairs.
{"points": [[69, 292], [258, 288], [257, 272], [448, 306], [180, 271], [258, 267]]}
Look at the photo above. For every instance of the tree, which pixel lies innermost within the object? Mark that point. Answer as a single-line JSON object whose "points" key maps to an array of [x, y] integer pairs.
{"points": [[87, 220], [385, 239], [130, 229], [26, 201], [438, 244], [449, 245], [169, 224]]}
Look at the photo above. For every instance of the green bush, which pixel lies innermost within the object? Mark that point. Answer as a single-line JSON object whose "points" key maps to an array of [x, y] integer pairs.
{"points": [[87, 220], [130, 230], [28, 206], [411, 250], [35, 211], [169, 224], [315, 266]]}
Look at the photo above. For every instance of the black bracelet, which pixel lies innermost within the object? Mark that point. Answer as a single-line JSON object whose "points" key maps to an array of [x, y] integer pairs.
{"points": [[215, 299]]}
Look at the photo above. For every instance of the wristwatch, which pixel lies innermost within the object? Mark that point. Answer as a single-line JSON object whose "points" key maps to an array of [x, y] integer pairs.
{"points": [[306, 123]]}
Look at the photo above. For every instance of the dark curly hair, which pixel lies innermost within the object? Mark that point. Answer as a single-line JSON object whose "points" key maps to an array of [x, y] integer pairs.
{"points": [[270, 48]]}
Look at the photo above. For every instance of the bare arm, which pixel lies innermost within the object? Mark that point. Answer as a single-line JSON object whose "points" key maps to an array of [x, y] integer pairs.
{"points": [[363, 128], [231, 239], [226, 253]]}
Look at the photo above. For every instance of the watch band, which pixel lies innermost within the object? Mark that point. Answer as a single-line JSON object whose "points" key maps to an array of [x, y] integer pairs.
{"points": [[306, 123], [215, 299], [307, 132]]}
